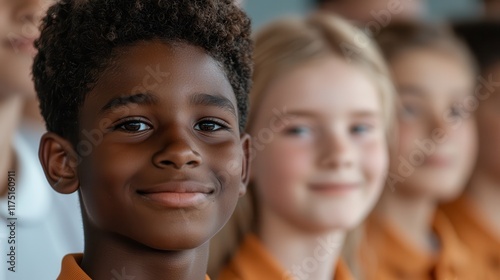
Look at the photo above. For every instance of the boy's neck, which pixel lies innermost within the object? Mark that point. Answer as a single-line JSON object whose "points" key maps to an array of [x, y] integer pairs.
{"points": [[10, 113], [484, 192], [290, 246], [112, 256], [411, 215]]}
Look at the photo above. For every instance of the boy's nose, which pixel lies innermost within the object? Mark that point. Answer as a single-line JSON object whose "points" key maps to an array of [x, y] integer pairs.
{"points": [[177, 153]]}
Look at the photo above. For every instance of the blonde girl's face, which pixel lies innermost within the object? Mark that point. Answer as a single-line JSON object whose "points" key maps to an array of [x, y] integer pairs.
{"points": [[437, 133], [320, 152]]}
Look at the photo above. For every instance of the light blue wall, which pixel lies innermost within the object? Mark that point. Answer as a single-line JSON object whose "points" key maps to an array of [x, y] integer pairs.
{"points": [[263, 11], [453, 9]]}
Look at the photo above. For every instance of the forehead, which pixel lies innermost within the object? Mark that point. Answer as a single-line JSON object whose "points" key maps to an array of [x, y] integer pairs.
{"points": [[432, 72], [330, 85], [161, 69]]}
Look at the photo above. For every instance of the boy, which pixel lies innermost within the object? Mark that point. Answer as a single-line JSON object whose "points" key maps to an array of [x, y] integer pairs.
{"points": [[145, 101], [37, 227]]}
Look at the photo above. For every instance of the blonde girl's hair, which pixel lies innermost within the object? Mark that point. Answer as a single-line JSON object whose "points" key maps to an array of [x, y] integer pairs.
{"points": [[280, 47]]}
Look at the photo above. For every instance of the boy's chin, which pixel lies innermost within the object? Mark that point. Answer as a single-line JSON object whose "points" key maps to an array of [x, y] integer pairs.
{"points": [[178, 242], [165, 238]]}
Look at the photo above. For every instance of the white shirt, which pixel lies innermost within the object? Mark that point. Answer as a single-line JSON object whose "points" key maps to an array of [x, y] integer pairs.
{"points": [[48, 225]]}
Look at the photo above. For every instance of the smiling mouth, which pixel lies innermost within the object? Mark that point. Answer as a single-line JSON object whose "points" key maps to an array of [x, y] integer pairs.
{"points": [[438, 161], [21, 45], [334, 188], [183, 194]]}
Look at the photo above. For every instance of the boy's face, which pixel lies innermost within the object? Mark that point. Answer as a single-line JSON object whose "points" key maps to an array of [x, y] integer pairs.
{"points": [[321, 164], [163, 159], [19, 21], [437, 132]]}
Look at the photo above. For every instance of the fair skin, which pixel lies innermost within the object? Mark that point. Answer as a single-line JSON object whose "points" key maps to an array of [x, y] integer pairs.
{"points": [[436, 138], [324, 168], [18, 28], [484, 189], [10, 113]]}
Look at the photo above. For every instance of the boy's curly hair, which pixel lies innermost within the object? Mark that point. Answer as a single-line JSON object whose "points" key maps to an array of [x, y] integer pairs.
{"points": [[79, 38]]}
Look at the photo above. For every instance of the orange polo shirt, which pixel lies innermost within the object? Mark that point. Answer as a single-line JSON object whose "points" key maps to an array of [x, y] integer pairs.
{"points": [[386, 255], [71, 269], [475, 232], [253, 262]]}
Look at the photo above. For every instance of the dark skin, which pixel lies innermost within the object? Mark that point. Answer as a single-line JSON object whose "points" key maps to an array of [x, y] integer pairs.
{"points": [[168, 170]]}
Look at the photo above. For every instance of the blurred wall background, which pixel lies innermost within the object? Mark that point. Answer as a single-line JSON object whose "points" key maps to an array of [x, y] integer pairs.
{"points": [[263, 11]]}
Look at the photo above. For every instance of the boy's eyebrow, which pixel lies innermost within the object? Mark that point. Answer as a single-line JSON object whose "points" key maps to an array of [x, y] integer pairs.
{"points": [[139, 98], [205, 99]]}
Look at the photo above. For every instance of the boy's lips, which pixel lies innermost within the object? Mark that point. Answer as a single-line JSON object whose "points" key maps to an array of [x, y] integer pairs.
{"points": [[177, 194]]}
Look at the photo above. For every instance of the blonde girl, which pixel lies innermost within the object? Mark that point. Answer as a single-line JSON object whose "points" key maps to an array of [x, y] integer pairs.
{"points": [[320, 113]]}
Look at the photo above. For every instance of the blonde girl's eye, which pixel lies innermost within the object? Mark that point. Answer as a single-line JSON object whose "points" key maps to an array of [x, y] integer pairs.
{"points": [[360, 129], [298, 131]]}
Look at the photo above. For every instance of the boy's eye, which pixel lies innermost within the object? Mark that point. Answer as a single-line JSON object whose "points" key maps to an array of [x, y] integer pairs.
{"points": [[209, 125], [133, 126]]}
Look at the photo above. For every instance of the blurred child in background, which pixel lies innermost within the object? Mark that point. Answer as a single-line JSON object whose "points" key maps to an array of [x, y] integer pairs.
{"points": [[407, 238], [46, 228], [476, 214], [373, 13], [320, 114], [491, 9]]}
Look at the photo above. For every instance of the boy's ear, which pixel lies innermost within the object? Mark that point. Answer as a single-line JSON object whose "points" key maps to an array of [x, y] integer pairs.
{"points": [[59, 161], [245, 167]]}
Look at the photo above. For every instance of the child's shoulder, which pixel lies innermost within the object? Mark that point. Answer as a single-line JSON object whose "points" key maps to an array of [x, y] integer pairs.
{"points": [[252, 261], [71, 270]]}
